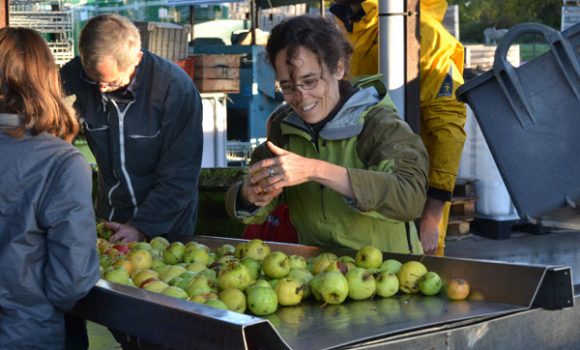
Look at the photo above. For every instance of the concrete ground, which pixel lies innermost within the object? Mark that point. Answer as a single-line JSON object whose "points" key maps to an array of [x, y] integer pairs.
{"points": [[100, 338]]}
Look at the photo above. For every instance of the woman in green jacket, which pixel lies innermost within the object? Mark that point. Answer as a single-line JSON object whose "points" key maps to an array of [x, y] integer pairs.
{"points": [[351, 171]]}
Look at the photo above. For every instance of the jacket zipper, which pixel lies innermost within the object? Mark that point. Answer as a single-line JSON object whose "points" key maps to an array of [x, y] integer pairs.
{"points": [[408, 232], [121, 117], [322, 187]]}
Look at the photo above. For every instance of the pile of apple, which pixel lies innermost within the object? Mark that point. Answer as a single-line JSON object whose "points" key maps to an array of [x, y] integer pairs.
{"points": [[251, 277]]}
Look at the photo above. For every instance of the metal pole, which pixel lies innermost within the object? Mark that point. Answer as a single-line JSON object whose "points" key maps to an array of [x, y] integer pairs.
{"points": [[254, 19], [392, 49], [412, 74]]}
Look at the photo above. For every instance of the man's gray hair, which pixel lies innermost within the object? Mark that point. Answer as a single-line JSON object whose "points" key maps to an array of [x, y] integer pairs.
{"points": [[109, 35]]}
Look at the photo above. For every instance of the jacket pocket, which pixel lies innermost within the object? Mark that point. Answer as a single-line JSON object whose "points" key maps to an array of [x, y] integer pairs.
{"points": [[143, 152], [99, 139], [137, 137], [95, 128]]}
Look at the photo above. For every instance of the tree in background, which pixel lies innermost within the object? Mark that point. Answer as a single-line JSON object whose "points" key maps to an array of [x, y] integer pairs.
{"points": [[476, 15]]}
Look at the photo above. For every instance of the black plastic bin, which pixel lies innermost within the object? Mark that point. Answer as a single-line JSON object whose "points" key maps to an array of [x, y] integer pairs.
{"points": [[530, 117]]}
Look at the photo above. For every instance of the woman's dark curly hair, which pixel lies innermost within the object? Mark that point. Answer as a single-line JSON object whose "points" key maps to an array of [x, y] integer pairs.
{"points": [[313, 33]]}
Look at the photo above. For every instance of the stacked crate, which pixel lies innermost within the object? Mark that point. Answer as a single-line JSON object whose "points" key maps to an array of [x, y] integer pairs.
{"points": [[462, 210], [213, 72], [167, 40]]}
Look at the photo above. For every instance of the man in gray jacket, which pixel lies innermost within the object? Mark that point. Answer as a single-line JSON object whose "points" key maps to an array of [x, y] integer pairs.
{"points": [[142, 118]]}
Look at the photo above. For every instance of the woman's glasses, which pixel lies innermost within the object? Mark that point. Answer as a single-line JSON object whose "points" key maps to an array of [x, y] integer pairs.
{"points": [[288, 88]]}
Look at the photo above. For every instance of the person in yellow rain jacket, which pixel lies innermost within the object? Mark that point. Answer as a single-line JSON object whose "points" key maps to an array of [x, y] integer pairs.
{"points": [[442, 115]]}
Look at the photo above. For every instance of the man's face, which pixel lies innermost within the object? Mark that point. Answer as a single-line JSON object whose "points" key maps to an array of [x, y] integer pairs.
{"points": [[109, 77]]}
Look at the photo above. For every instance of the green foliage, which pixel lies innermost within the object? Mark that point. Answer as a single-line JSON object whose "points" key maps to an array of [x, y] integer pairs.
{"points": [[476, 15]]}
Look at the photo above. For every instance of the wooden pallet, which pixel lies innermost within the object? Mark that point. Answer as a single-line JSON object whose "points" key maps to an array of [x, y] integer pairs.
{"points": [[462, 210], [464, 188], [459, 227]]}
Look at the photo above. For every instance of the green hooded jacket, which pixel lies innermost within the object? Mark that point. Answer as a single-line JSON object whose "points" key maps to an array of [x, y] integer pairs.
{"points": [[387, 166]]}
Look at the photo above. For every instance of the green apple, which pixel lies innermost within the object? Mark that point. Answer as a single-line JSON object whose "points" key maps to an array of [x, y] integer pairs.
{"points": [[202, 298], [409, 275], [174, 253], [225, 249], [256, 249], [369, 257], [254, 267], [361, 284], [141, 259], [196, 253], [304, 276], [175, 292], [103, 232], [144, 275], [273, 282], [297, 262], [218, 304], [117, 275], [166, 275], [209, 273], [234, 298], [321, 262], [240, 250], [276, 265], [195, 267], [387, 284], [201, 285], [142, 246], [289, 291], [159, 243], [261, 301], [333, 287], [391, 265], [155, 286], [338, 265], [234, 275], [262, 283], [430, 283], [226, 259], [157, 262], [314, 284]]}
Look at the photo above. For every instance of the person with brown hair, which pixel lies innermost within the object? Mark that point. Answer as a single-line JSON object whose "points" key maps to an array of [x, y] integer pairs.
{"points": [[47, 223], [351, 171]]}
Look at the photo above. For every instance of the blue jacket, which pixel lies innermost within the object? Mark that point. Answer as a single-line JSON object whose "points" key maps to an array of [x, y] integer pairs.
{"points": [[148, 152], [47, 238]]}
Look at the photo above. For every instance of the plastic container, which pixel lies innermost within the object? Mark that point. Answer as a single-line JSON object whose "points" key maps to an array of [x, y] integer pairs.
{"points": [[530, 118], [167, 40]]}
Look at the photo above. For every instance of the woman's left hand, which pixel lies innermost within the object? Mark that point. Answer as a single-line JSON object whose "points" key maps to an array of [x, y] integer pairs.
{"points": [[283, 170]]}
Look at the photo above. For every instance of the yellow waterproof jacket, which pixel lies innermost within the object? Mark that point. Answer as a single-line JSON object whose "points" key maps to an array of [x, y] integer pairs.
{"points": [[441, 69], [363, 36], [442, 116]]}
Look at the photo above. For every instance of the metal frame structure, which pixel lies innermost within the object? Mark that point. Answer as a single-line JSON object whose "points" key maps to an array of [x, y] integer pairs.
{"points": [[57, 25]]}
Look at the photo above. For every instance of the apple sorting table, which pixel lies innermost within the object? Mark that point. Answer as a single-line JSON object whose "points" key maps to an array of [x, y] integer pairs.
{"points": [[498, 289]]}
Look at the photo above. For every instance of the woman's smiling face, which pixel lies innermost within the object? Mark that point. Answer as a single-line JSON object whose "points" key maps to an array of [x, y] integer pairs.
{"points": [[308, 87]]}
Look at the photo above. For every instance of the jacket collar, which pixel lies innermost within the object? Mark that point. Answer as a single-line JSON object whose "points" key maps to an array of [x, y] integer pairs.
{"points": [[9, 121], [348, 121]]}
